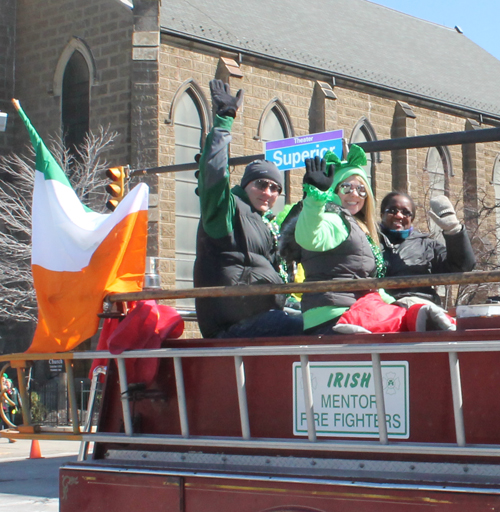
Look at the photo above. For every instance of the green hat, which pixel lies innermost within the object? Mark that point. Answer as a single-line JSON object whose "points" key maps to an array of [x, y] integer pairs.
{"points": [[5, 376], [344, 169]]}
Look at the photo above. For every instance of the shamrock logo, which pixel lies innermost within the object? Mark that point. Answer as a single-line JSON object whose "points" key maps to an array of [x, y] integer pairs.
{"points": [[391, 383]]}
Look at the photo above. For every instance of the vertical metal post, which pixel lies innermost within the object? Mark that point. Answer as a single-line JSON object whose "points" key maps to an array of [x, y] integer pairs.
{"points": [[25, 401], [181, 396], [84, 445], [73, 407], [122, 377], [242, 396], [308, 397], [82, 417], [456, 390], [379, 395]]}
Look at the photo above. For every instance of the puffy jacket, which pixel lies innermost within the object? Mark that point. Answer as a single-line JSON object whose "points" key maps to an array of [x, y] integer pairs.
{"points": [[234, 245], [420, 255], [333, 246], [351, 259]]}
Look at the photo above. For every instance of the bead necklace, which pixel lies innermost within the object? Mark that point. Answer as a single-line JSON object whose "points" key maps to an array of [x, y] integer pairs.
{"points": [[380, 264], [269, 219]]}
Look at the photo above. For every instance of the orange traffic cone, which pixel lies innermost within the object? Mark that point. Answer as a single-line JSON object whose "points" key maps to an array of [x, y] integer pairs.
{"points": [[35, 452]]}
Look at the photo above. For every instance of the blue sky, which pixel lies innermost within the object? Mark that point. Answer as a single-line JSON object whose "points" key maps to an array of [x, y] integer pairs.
{"points": [[478, 19]]}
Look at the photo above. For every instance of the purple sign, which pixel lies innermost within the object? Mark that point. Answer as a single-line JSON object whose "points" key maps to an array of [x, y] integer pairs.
{"points": [[291, 153]]}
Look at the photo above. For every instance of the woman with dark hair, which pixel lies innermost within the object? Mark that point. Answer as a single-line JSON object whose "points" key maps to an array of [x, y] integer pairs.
{"points": [[408, 252]]}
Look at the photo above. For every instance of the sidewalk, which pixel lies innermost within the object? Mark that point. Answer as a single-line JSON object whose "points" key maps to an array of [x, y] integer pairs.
{"points": [[32, 485]]}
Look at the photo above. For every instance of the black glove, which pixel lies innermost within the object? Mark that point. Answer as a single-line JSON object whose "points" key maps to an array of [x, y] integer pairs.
{"points": [[224, 103], [317, 173]]}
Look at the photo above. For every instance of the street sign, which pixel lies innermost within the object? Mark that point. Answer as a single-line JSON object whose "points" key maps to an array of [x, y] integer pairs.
{"points": [[56, 365], [290, 153]]}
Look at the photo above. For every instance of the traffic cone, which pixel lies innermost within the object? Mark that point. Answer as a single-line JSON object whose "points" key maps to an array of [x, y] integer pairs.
{"points": [[35, 452]]}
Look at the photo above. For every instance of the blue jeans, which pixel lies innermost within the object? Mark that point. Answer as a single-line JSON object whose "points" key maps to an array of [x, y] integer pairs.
{"points": [[266, 325]]}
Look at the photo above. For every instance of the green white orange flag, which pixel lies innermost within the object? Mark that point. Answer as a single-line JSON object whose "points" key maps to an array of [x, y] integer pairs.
{"points": [[79, 256]]}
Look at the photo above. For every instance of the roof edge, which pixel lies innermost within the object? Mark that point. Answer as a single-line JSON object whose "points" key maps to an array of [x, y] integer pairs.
{"points": [[466, 111]]}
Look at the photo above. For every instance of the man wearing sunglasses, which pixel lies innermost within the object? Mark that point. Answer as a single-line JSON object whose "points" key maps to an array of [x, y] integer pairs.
{"points": [[409, 252], [237, 240]]}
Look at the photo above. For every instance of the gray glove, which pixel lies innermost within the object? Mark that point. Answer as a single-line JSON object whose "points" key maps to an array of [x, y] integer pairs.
{"points": [[433, 318], [443, 214], [224, 103]]}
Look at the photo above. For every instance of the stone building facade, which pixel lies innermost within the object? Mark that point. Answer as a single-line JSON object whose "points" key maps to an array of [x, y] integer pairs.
{"points": [[466, 168], [7, 53], [147, 71]]}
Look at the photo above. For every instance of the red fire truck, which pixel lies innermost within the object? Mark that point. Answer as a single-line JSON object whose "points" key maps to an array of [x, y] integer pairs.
{"points": [[402, 421], [364, 422]]}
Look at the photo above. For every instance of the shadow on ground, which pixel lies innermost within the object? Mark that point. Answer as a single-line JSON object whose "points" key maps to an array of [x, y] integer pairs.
{"points": [[32, 477]]}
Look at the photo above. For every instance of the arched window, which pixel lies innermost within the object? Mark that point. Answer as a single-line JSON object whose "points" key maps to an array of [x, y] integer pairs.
{"points": [[438, 165], [190, 123], [275, 124], [496, 185], [364, 132], [75, 101]]}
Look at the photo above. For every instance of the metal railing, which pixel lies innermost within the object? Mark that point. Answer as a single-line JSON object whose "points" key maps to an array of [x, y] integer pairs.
{"points": [[402, 143], [303, 351]]}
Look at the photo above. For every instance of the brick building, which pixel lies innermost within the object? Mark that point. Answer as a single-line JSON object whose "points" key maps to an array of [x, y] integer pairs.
{"points": [[336, 64]]}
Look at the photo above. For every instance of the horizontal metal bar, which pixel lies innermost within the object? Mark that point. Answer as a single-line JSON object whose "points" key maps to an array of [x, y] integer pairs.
{"points": [[42, 436], [344, 285], [492, 450], [193, 166], [297, 350], [482, 450], [408, 469], [284, 350], [253, 477], [420, 141], [438, 139]]}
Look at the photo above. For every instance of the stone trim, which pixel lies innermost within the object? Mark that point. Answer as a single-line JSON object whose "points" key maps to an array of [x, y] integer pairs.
{"points": [[75, 45]]}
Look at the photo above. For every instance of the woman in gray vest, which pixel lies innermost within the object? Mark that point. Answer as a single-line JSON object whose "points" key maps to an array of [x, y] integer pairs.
{"points": [[337, 232]]}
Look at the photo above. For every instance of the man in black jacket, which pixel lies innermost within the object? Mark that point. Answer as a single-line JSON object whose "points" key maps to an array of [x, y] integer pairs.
{"points": [[237, 241], [409, 252]]}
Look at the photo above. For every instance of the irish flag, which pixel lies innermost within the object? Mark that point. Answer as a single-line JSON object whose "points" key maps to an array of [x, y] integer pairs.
{"points": [[79, 256]]}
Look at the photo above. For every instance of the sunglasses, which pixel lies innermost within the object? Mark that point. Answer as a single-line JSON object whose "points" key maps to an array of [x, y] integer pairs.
{"points": [[394, 211], [349, 188], [266, 184]]}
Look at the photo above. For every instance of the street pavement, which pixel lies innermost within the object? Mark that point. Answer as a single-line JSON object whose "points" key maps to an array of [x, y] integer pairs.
{"points": [[32, 485]]}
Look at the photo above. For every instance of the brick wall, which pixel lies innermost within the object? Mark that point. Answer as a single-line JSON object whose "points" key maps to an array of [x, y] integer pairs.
{"points": [[43, 31], [261, 83], [122, 92], [7, 59]]}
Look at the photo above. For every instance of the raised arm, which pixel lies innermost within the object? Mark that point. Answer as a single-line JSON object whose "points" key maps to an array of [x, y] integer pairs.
{"points": [[318, 230], [216, 200]]}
